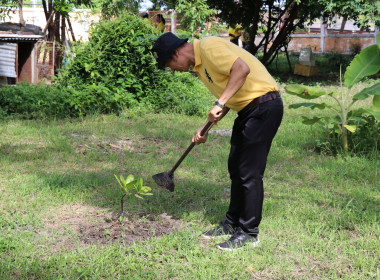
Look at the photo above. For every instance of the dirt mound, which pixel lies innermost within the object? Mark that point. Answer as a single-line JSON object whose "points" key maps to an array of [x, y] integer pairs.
{"points": [[127, 231], [80, 224]]}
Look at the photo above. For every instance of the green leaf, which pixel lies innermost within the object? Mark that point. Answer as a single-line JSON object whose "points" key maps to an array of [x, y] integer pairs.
{"points": [[310, 121], [122, 180], [358, 112], [309, 105], [351, 128], [140, 183], [121, 185], [305, 92], [366, 63], [145, 190], [129, 179], [376, 114], [367, 92], [376, 103]]}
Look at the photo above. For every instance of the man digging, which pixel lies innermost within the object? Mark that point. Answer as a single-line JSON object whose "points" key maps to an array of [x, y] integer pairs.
{"points": [[240, 83]]}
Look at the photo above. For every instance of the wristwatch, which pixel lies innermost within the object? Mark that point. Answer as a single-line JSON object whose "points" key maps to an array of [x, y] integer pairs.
{"points": [[219, 105]]}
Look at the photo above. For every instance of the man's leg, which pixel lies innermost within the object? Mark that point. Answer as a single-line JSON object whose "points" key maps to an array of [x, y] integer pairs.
{"points": [[250, 145]]}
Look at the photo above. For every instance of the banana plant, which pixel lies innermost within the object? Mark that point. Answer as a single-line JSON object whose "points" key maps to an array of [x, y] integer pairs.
{"points": [[131, 184], [366, 63]]}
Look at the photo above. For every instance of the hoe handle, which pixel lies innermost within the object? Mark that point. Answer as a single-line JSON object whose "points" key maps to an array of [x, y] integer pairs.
{"points": [[204, 130]]}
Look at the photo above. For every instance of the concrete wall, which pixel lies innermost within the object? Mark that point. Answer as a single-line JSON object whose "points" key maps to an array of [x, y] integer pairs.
{"points": [[333, 42]]}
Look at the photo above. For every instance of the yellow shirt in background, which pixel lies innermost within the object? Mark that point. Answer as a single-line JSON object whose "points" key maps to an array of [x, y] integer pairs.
{"points": [[235, 31], [161, 27], [214, 58], [148, 21]]}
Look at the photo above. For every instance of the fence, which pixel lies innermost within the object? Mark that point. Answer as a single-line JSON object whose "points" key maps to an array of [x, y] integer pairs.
{"points": [[332, 42]]}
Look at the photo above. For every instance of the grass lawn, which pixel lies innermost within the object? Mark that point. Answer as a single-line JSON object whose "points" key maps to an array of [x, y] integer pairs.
{"points": [[60, 203]]}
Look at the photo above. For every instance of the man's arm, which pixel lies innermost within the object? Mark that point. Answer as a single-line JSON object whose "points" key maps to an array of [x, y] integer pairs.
{"points": [[238, 74], [197, 138]]}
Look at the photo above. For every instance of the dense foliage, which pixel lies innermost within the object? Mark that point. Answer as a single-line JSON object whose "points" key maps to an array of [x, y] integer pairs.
{"points": [[112, 72], [34, 101], [116, 69]]}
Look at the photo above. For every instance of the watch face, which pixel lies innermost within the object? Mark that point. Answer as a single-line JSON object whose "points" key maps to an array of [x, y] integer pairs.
{"points": [[219, 105]]}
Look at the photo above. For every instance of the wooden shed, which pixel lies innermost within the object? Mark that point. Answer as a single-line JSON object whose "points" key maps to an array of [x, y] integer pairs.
{"points": [[18, 57]]}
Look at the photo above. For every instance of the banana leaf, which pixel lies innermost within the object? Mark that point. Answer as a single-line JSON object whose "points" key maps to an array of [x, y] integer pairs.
{"points": [[376, 103], [320, 106], [366, 63], [350, 128], [304, 92], [367, 92], [310, 121]]}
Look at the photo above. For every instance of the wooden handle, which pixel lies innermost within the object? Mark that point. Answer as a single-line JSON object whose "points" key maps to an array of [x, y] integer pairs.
{"points": [[206, 128]]}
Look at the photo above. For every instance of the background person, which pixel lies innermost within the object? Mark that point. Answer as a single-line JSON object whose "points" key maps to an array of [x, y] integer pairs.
{"points": [[145, 16], [234, 33], [241, 83], [160, 22]]}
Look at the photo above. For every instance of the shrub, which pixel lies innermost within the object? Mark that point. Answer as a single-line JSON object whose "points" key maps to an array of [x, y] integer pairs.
{"points": [[116, 70], [331, 62], [355, 48], [34, 101]]}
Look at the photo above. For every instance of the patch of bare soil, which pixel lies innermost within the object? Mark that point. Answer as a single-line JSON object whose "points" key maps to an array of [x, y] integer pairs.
{"points": [[118, 146], [129, 230], [85, 224]]}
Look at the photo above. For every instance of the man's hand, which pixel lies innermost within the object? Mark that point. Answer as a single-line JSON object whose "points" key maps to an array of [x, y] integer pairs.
{"points": [[215, 114], [197, 138]]}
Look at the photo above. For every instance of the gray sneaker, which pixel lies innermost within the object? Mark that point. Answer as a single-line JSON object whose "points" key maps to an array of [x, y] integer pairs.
{"points": [[222, 230], [238, 240]]}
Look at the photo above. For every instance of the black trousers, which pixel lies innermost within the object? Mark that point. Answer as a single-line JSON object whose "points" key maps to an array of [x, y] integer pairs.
{"points": [[252, 135]]}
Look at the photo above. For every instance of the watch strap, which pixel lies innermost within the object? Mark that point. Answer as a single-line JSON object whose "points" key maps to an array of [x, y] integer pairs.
{"points": [[219, 105]]}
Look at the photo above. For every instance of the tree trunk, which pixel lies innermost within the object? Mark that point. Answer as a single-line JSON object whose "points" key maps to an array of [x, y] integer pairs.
{"points": [[287, 57], [46, 12], [21, 15], [48, 22], [283, 33], [343, 24], [71, 28], [252, 48], [63, 29], [57, 21], [58, 40]]}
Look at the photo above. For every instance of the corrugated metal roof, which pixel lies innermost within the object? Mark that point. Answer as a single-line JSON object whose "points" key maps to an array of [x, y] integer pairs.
{"points": [[20, 37], [8, 59]]}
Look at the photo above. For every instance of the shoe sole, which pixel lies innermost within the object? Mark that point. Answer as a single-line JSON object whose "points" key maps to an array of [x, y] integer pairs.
{"points": [[253, 245], [211, 237]]}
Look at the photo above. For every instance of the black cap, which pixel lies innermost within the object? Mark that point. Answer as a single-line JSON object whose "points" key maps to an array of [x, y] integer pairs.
{"points": [[164, 47]]}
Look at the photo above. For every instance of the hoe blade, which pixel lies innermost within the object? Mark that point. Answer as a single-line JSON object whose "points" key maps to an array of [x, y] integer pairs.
{"points": [[164, 180]]}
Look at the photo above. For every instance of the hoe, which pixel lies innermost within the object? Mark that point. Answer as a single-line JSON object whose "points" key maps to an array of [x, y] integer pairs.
{"points": [[166, 179]]}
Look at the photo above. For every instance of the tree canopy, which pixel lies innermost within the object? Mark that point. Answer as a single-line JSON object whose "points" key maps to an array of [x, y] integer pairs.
{"points": [[278, 19], [363, 12]]}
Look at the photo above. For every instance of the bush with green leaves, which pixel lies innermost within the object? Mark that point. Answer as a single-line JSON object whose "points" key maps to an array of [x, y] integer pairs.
{"points": [[116, 70], [35, 101]]}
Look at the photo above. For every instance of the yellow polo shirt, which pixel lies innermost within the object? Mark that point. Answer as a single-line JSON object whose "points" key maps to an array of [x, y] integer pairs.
{"points": [[235, 31], [214, 58]]}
